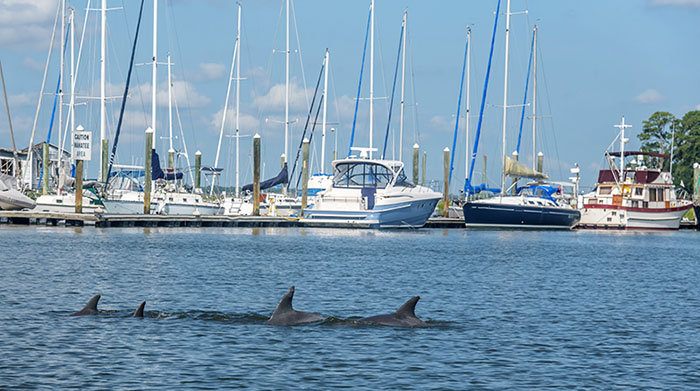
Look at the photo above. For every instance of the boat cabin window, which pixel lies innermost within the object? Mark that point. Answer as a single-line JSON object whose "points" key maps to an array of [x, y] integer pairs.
{"points": [[362, 174], [605, 190], [402, 180], [660, 195], [638, 191], [652, 194]]}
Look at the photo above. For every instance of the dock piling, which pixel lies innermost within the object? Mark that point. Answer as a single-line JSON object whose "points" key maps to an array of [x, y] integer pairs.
{"points": [[45, 169], [79, 186], [416, 149], [197, 169], [425, 164], [446, 195], [305, 175], [256, 174], [147, 169]]}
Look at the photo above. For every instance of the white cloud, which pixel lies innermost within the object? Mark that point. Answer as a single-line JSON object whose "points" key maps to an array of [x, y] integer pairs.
{"points": [[274, 99], [209, 71], [442, 124], [23, 99], [185, 94], [650, 96], [679, 3], [248, 124], [25, 24], [33, 64]]}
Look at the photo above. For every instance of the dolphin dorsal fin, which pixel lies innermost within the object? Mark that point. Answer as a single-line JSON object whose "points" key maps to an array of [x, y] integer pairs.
{"points": [[92, 303], [408, 308], [285, 304], [139, 311]]}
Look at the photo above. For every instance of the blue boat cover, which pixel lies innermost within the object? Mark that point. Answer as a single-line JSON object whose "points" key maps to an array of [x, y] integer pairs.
{"points": [[282, 177], [158, 173]]}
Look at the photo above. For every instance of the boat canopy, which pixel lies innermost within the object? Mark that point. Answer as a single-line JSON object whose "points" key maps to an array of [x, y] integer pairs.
{"points": [[642, 153], [368, 173], [515, 168]]}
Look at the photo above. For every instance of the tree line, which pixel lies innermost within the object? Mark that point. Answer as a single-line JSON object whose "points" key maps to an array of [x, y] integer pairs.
{"points": [[662, 132]]}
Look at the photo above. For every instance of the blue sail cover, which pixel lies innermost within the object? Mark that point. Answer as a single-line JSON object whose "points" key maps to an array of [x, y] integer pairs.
{"points": [[158, 173], [281, 178]]}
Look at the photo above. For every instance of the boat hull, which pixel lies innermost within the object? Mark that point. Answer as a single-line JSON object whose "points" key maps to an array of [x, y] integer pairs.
{"points": [[619, 217], [413, 214], [496, 215]]}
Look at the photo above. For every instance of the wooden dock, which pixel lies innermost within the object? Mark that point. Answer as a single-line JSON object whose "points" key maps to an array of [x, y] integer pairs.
{"points": [[117, 220], [121, 220]]}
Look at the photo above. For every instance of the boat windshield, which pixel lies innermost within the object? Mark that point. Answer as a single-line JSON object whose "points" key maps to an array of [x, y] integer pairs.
{"points": [[401, 180], [362, 174]]}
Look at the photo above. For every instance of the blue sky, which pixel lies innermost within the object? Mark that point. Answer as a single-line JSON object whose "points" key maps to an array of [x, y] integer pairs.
{"points": [[598, 60]]}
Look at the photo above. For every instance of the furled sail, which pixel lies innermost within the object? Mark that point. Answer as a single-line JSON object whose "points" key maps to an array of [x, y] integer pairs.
{"points": [[515, 168]]}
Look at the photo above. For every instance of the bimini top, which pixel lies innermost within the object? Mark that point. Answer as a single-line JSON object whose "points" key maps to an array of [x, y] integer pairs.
{"points": [[360, 172]]}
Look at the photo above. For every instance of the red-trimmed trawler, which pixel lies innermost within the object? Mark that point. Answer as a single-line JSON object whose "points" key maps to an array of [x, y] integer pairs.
{"points": [[635, 197]]}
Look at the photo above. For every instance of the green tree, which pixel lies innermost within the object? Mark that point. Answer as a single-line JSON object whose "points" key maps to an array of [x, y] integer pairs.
{"points": [[656, 137], [687, 151]]}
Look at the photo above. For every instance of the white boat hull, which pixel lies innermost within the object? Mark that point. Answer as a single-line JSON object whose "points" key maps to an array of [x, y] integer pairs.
{"points": [[619, 217]]}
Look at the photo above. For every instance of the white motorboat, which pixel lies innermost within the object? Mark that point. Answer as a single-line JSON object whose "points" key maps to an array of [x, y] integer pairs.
{"points": [[371, 193], [633, 198]]}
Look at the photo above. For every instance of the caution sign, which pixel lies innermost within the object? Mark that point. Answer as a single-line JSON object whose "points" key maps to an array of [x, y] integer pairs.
{"points": [[82, 145]]}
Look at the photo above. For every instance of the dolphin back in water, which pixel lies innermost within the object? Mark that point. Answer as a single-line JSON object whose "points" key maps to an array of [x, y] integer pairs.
{"points": [[285, 315], [90, 308], [405, 316]]}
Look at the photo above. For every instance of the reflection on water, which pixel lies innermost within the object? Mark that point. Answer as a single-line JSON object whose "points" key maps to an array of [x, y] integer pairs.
{"points": [[505, 309]]}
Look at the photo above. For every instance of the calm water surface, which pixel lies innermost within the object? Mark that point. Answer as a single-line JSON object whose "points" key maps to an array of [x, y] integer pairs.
{"points": [[506, 310]]}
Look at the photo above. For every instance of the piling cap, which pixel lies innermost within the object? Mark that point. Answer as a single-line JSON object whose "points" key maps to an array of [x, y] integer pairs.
{"points": [[540, 154], [256, 135], [198, 152], [80, 128], [306, 140], [171, 150], [446, 150], [416, 146], [696, 165], [149, 130], [515, 153]]}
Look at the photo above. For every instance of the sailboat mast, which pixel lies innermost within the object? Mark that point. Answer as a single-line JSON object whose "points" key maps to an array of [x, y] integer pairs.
{"points": [[325, 106], [505, 103], [60, 90], [286, 91], [103, 60], [466, 153], [225, 111], [403, 84], [171, 151], [371, 77], [238, 96], [71, 108], [534, 97], [154, 76]]}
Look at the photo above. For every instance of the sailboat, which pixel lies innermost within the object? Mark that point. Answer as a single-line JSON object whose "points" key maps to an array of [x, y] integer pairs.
{"points": [[534, 207], [368, 192]]}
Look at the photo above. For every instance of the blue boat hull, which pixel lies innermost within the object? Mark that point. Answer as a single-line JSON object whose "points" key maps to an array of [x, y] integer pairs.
{"points": [[494, 215], [406, 215]]}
